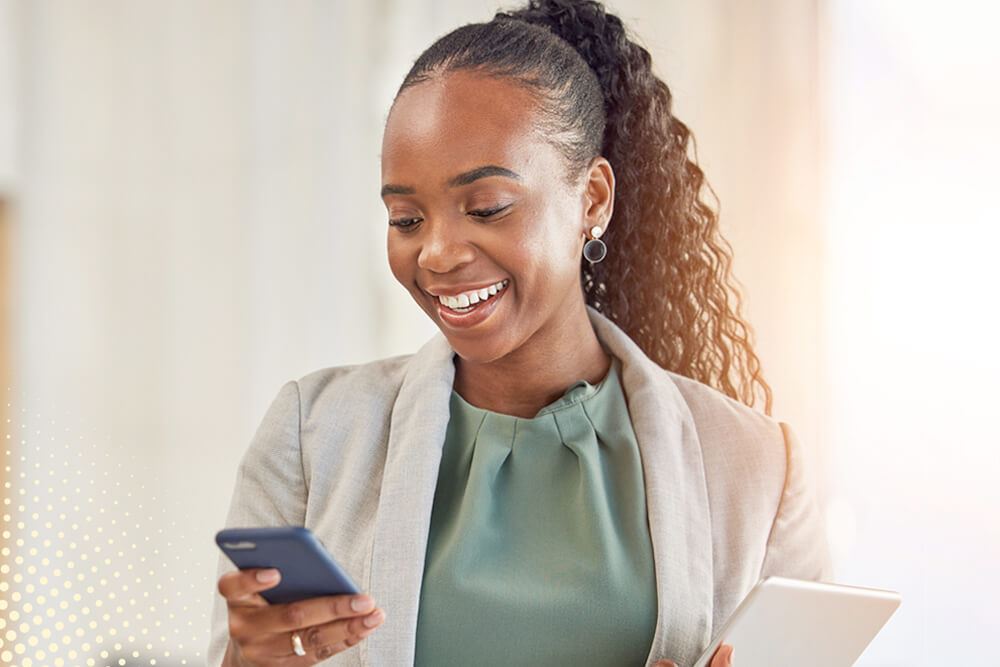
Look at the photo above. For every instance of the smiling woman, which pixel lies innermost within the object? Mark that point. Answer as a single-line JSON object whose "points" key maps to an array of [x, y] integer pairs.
{"points": [[535, 144], [565, 473]]}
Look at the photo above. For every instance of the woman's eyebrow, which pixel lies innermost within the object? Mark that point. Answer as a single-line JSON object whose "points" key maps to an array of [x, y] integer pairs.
{"points": [[464, 178]]}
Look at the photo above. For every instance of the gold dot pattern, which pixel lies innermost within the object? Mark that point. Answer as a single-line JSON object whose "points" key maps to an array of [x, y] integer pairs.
{"points": [[87, 576]]}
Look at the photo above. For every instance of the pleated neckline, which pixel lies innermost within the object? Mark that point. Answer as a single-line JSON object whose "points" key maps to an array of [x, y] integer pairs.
{"points": [[578, 392]]}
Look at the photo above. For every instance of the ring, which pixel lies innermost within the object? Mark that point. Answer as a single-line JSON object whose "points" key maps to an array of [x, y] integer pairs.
{"points": [[297, 644]]}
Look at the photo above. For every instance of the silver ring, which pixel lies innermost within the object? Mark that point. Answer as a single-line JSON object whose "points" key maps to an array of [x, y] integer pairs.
{"points": [[297, 644]]}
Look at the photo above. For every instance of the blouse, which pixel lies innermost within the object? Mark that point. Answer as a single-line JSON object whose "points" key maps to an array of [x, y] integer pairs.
{"points": [[539, 551]]}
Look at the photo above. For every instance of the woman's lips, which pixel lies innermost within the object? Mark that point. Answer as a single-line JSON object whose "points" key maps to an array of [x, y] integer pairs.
{"points": [[470, 319]]}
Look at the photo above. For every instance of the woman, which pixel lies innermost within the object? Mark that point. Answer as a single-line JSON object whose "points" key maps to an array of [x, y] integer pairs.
{"points": [[565, 473]]}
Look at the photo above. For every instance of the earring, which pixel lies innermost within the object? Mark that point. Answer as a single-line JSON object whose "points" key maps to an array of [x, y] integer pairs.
{"points": [[595, 249]]}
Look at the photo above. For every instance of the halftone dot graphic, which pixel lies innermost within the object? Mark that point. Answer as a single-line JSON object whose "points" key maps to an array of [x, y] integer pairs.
{"points": [[87, 576]]}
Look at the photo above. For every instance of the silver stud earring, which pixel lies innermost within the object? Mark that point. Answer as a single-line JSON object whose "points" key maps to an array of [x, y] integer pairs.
{"points": [[595, 249]]}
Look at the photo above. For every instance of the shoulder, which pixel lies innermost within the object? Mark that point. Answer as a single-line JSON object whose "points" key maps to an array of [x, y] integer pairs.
{"points": [[719, 415], [373, 384], [744, 451]]}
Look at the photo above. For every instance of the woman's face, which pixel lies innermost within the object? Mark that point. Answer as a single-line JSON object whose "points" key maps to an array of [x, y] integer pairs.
{"points": [[438, 134]]}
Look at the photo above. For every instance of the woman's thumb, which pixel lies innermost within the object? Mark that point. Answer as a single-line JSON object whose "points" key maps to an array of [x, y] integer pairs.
{"points": [[665, 663]]}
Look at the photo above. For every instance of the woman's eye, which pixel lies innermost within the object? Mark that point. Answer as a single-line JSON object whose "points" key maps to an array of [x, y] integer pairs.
{"points": [[485, 213], [403, 223]]}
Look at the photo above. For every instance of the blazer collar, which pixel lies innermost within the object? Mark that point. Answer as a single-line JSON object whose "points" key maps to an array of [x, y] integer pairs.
{"points": [[676, 499]]}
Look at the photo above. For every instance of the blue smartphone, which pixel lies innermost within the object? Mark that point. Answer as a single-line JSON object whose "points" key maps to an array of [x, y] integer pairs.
{"points": [[307, 568]]}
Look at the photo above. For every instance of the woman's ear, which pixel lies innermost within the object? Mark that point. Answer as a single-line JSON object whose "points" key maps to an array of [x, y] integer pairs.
{"points": [[598, 194]]}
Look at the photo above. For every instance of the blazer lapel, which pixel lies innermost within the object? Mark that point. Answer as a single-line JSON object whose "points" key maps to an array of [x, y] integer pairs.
{"points": [[417, 430], [676, 499]]}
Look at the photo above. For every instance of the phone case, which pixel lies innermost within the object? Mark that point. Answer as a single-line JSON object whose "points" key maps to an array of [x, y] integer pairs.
{"points": [[307, 569]]}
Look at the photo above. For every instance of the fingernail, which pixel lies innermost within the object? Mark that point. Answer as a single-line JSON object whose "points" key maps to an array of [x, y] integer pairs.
{"points": [[362, 604], [375, 619], [729, 659], [265, 576]]}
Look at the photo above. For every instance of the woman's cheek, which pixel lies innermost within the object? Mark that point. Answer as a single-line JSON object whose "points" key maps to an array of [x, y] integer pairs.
{"points": [[397, 264]]}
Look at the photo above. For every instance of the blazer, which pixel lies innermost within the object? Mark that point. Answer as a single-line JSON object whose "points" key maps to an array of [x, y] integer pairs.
{"points": [[352, 452]]}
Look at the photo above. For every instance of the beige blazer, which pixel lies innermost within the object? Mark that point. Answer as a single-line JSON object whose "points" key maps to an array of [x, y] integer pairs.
{"points": [[352, 452]]}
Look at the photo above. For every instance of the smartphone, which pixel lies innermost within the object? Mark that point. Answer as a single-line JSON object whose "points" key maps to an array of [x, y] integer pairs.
{"points": [[784, 621], [307, 568]]}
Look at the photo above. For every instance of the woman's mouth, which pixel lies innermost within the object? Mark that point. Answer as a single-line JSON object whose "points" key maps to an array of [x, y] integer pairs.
{"points": [[460, 316]]}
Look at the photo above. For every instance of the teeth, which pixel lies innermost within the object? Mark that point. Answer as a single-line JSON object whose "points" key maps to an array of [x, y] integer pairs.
{"points": [[473, 297]]}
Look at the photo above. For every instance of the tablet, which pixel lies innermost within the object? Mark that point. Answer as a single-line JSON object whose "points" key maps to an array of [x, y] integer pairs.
{"points": [[786, 622]]}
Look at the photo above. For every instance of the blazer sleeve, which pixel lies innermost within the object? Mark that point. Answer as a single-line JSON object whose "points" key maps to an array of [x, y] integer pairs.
{"points": [[797, 546], [270, 490]]}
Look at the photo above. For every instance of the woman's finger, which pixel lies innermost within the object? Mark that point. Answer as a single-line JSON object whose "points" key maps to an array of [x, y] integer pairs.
{"points": [[723, 656], [241, 588]]}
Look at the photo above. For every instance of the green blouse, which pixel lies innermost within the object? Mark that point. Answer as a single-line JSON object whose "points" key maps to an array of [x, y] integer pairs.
{"points": [[539, 550]]}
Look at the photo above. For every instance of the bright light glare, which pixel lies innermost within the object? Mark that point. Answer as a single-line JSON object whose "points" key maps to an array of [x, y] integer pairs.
{"points": [[912, 231]]}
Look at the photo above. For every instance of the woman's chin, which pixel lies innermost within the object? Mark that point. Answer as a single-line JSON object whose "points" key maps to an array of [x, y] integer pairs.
{"points": [[475, 351], [470, 351]]}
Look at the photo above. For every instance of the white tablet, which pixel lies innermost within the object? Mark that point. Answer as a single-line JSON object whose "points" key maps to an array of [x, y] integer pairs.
{"points": [[786, 622]]}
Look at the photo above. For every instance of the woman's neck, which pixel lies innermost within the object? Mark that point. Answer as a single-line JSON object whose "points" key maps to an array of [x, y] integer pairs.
{"points": [[539, 371]]}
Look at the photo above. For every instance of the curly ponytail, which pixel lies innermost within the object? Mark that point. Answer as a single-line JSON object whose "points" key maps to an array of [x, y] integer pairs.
{"points": [[666, 280]]}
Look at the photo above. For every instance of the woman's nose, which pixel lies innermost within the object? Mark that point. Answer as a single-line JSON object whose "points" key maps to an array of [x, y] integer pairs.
{"points": [[442, 249]]}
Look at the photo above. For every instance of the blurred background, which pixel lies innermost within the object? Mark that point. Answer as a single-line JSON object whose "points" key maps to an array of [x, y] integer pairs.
{"points": [[189, 217]]}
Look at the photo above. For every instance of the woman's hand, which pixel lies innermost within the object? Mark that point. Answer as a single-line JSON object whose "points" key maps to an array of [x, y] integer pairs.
{"points": [[723, 658], [260, 634]]}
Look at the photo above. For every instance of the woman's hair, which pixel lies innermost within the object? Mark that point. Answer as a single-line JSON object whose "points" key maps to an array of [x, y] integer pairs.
{"points": [[666, 279]]}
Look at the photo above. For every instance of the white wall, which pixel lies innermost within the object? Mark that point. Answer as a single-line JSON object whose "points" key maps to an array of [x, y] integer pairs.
{"points": [[9, 69]]}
